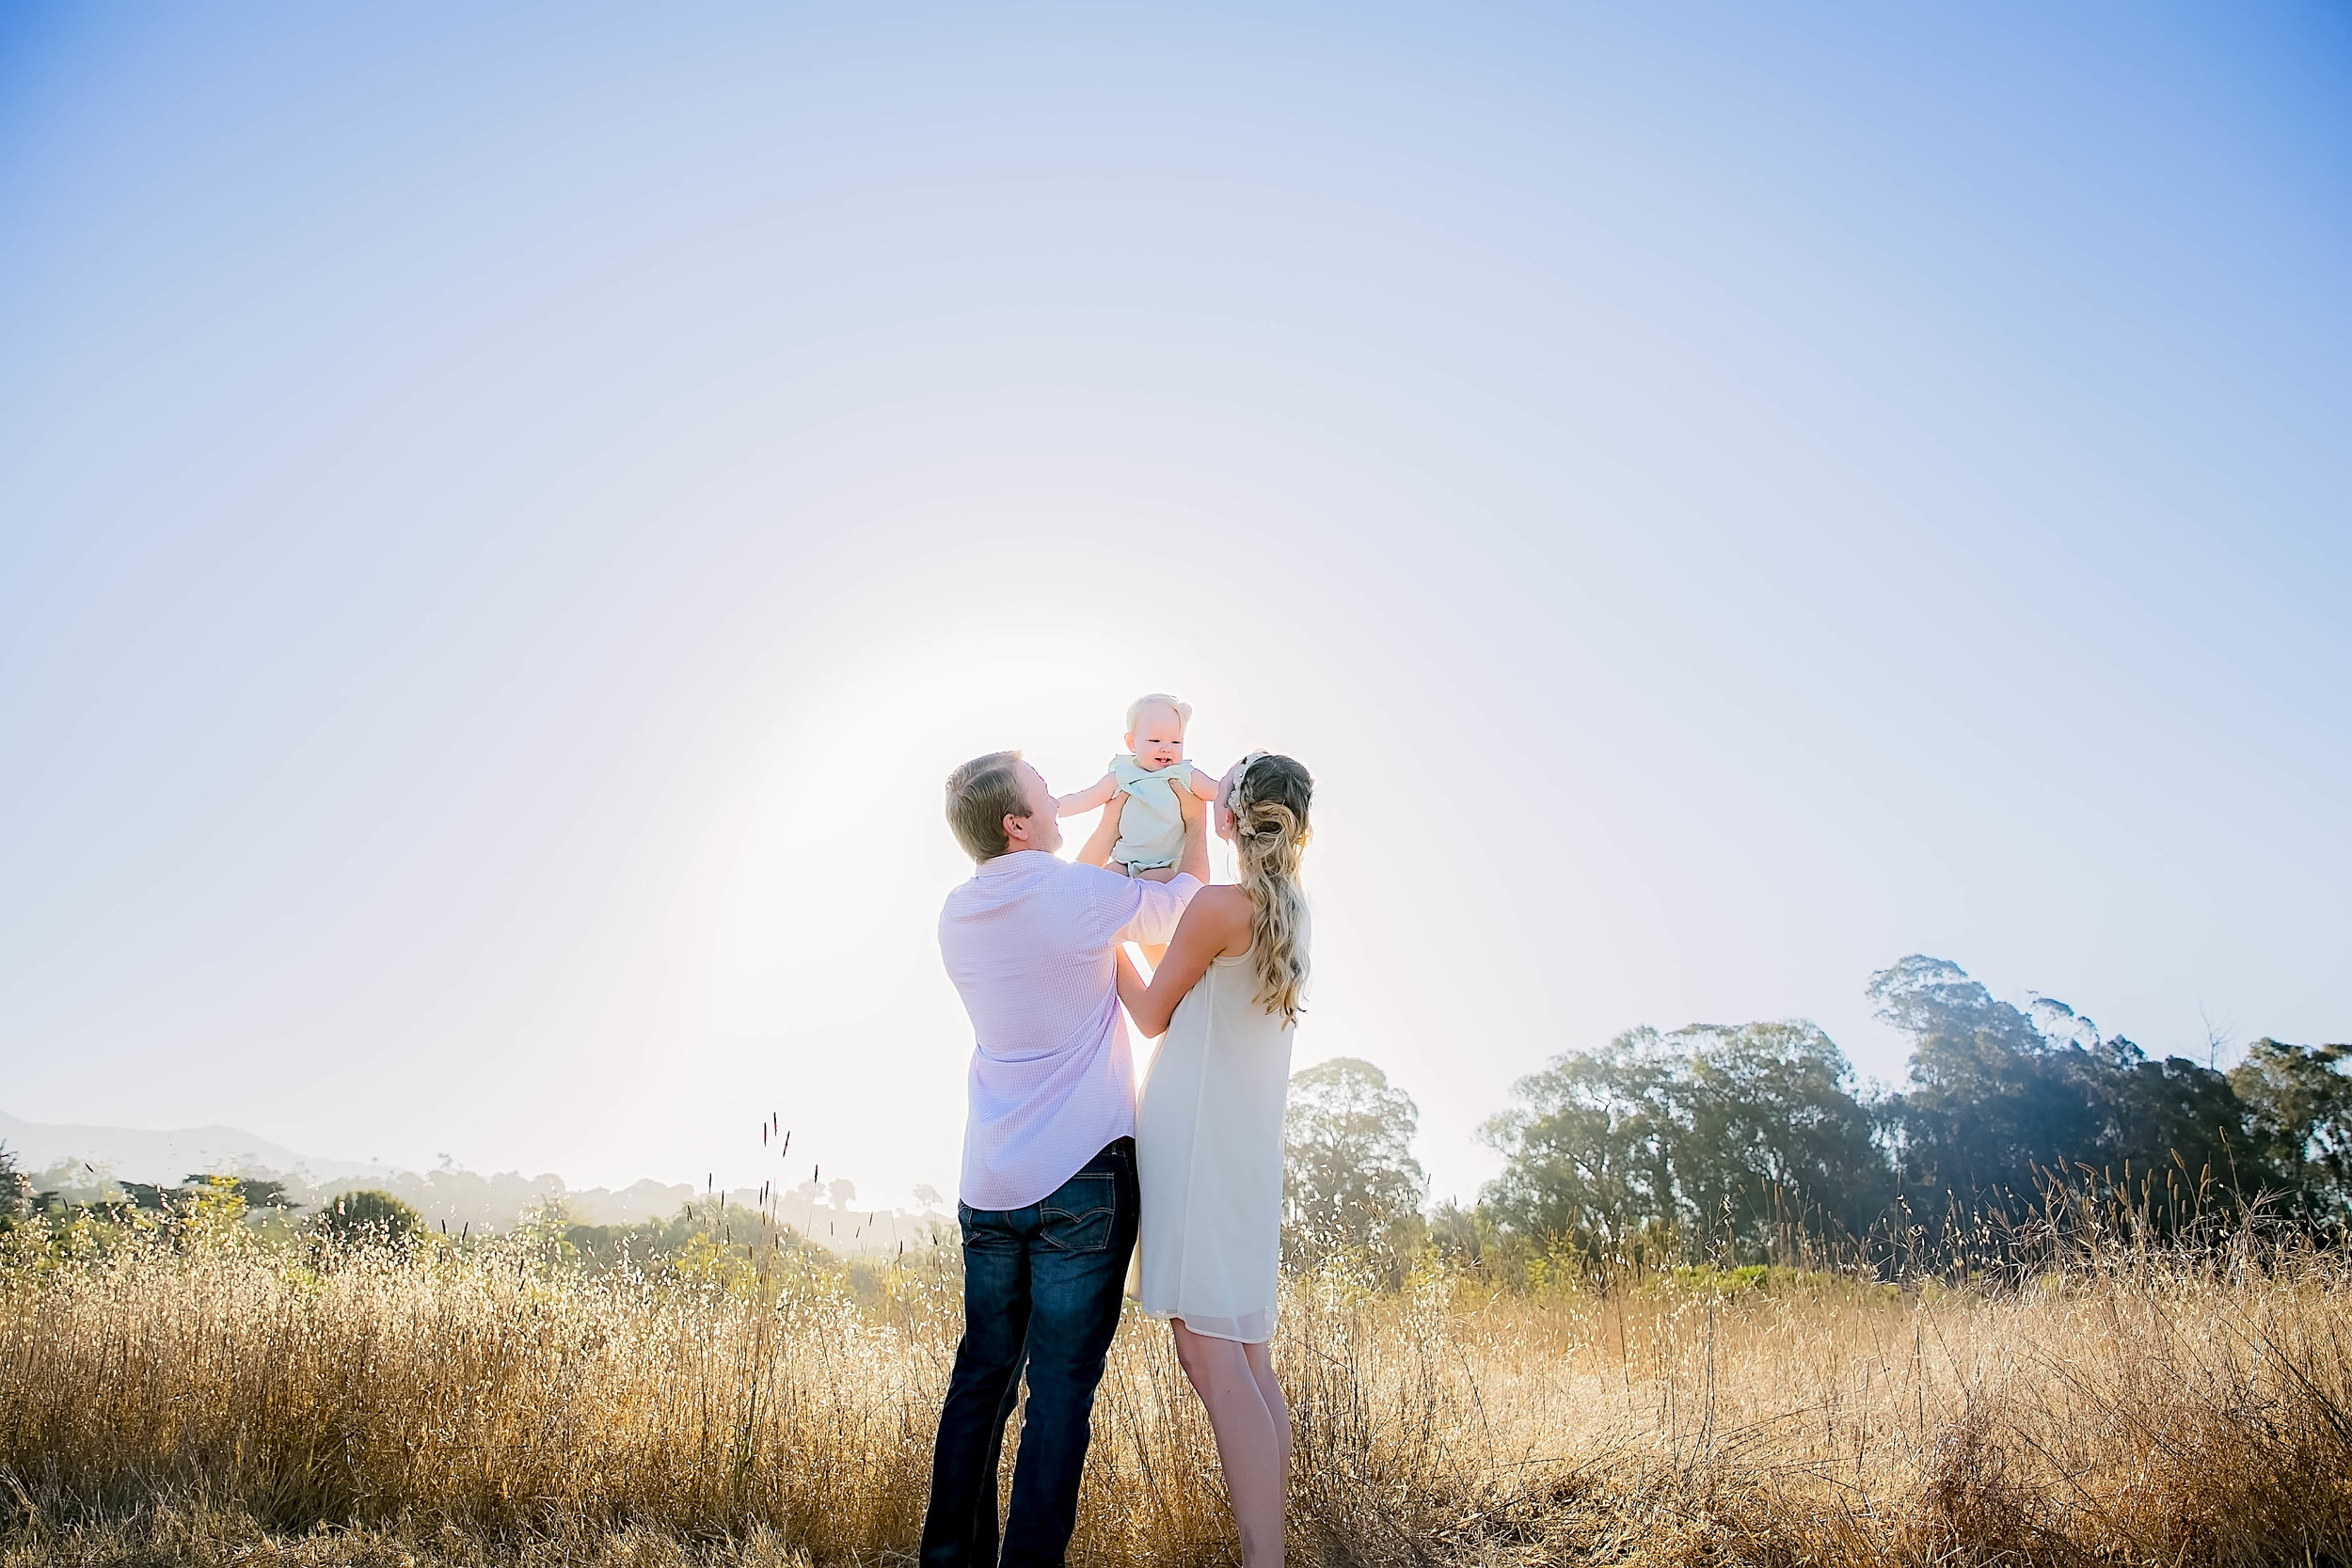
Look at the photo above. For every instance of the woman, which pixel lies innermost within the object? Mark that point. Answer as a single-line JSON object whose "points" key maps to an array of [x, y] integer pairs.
{"points": [[1209, 1135]]}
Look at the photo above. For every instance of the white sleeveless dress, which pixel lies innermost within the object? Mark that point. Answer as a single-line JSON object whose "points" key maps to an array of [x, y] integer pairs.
{"points": [[1209, 1156]]}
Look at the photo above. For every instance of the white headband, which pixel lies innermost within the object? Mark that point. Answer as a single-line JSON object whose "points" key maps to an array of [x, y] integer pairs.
{"points": [[1240, 771]]}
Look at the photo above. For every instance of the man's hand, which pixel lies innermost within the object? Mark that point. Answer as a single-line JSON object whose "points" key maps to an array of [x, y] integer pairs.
{"points": [[1098, 848]]}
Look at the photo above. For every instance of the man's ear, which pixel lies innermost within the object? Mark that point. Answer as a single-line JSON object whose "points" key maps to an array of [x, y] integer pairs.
{"points": [[1016, 828]]}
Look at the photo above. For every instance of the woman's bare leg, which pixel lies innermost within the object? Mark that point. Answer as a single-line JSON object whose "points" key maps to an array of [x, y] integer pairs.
{"points": [[1261, 1359], [1252, 1442]]}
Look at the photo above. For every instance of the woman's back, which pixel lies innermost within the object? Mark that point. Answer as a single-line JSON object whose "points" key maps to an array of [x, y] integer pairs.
{"points": [[1209, 1132], [1209, 1155]]}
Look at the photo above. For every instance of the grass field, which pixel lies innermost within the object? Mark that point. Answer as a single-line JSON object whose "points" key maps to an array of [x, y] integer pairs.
{"points": [[215, 1401]]}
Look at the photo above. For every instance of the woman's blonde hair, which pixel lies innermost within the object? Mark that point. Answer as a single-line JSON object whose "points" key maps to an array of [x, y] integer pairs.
{"points": [[1269, 798]]}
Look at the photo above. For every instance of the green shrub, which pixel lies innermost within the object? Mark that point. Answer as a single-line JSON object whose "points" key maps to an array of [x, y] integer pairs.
{"points": [[368, 1216]]}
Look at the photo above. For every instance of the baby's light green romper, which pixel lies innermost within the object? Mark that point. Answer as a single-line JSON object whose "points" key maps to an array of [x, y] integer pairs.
{"points": [[1151, 824]]}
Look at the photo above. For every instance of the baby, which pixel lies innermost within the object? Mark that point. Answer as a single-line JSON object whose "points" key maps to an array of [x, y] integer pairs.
{"points": [[1151, 824]]}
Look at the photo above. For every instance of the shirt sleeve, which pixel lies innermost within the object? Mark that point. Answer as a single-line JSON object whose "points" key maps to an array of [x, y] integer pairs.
{"points": [[1153, 908]]}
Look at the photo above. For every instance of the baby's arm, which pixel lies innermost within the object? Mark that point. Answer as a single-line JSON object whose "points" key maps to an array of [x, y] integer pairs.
{"points": [[1093, 795], [1205, 785]]}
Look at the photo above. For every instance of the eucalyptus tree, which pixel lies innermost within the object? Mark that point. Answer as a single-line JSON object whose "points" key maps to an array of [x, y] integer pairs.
{"points": [[1350, 1181], [2002, 1100], [2298, 1098], [1712, 1134]]}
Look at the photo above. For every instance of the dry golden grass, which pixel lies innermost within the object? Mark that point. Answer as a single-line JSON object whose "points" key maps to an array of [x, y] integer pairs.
{"points": [[220, 1403]]}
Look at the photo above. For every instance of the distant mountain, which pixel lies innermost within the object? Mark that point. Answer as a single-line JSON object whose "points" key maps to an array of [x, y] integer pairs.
{"points": [[453, 1198], [140, 1155]]}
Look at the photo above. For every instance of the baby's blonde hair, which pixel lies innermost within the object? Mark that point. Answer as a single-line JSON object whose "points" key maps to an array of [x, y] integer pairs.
{"points": [[1183, 710]]}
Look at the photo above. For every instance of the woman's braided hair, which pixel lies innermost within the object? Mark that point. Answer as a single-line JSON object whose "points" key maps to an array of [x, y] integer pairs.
{"points": [[1269, 798]]}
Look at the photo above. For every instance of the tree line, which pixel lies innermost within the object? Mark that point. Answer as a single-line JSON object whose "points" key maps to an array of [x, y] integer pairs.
{"points": [[1712, 1142], [1722, 1140]]}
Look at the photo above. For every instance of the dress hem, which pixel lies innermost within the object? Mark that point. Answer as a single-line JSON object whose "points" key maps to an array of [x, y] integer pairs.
{"points": [[1191, 1326]]}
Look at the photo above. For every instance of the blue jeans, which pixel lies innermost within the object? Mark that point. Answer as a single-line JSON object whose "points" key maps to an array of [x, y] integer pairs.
{"points": [[1042, 1286]]}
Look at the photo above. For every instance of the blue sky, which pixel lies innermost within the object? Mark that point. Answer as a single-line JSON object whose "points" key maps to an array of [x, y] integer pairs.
{"points": [[505, 519]]}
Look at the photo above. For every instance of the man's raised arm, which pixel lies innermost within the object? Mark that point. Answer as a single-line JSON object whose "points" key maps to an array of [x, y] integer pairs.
{"points": [[1098, 848]]}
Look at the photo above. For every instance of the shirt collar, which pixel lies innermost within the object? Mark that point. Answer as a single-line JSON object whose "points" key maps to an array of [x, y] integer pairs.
{"points": [[1020, 860]]}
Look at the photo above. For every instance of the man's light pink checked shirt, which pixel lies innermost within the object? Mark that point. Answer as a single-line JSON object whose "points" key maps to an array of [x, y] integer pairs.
{"points": [[1029, 942]]}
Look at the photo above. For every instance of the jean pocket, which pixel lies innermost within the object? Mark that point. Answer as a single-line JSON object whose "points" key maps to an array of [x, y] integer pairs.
{"points": [[985, 1229], [1078, 1217]]}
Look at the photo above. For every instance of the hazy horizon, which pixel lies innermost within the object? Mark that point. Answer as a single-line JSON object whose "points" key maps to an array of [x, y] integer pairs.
{"points": [[506, 519]]}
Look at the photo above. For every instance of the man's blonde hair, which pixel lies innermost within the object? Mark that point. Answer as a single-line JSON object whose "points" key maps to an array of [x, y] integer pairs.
{"points": [[980, 795], [1181, 709]]}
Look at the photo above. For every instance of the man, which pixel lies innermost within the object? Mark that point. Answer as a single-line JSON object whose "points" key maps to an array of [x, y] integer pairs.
{"points": [[1048, 1200]]}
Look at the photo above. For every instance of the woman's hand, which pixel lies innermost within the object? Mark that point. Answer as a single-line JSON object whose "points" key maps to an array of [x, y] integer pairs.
{"points": [[1195, 863]]}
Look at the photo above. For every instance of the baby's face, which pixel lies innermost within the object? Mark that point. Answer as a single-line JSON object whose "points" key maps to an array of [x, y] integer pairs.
{"points": [[1158, 739]]}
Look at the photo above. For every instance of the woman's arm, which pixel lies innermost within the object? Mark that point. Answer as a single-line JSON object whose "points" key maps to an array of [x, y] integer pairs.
{"points": [[1131, 987], [1217, 922]]}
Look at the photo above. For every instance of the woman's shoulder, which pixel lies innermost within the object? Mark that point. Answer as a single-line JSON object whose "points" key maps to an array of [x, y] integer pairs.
{"points": [[1220, 902], [1222, 910]]}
